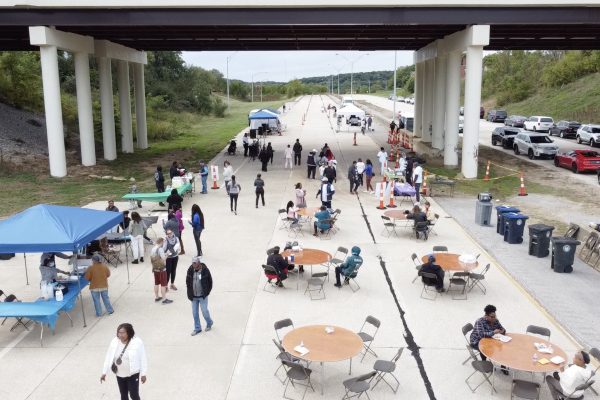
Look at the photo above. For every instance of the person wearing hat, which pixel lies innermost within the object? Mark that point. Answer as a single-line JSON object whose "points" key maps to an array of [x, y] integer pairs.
{"points": [[280, 264], [97, 274], [432, 268], [563, 384], [417, 178], [199, 284], [312, 163], [49, 271], [203, 175], [320, 217], [297, 152], [349, 268], [326, 191]]}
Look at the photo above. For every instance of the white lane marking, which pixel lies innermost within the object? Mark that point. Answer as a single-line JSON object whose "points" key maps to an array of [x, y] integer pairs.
{"points": [[14, 343]]}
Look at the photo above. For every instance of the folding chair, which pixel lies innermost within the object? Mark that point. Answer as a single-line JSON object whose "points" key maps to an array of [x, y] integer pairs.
{"points": [[297, 372], [388, 226], [429, 280], [440, 249], [476, 279], [384, 368], [9, 299], [466, 329], [420, 228], [432, 224], [283, 355], [284, 323], [583, 387], [358, 385], [368, 338], [318, 282], [296, 228], [272, 278], [326, 232], [335, 261], [483, 367], [334, 218], [110, 253], [285, 221], [418, 266], [458, 282], [594, 352], [538, 330], [525, 390], [2, 294]]}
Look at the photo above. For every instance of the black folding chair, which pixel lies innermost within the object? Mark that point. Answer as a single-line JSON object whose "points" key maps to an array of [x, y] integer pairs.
{"points": [[10, 299]]}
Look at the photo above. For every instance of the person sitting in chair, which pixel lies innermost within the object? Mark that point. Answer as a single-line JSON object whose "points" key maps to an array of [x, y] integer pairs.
{"points": [[232, 147], [564, 383], [280, 264], [431, 267], [321, 216], [349, 268], [418, 216], [429, 214]]}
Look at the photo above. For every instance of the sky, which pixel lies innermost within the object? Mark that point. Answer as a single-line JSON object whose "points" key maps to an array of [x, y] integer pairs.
{"points": [[283, 66]]}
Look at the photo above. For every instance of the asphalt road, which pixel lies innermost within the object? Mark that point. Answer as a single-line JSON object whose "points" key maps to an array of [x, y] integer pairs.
{"points": [[485, 135]]}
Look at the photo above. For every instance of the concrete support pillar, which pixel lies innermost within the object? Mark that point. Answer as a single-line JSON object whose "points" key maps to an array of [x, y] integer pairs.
{"points": [[125, 106], [429, 81], [418, 117], [141, 130], [84, 109], [439, 105], [108, 109], [452, 109], [470, 147], [52, 107]]}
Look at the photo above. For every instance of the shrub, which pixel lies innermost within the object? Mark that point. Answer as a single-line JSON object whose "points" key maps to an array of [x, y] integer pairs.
{"points": [[219, 107], [161, 130]]}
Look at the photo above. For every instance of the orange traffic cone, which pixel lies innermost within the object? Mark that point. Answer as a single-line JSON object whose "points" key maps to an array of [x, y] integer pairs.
{"points": [[487, 172], [381, 194], [390, 137], [385, 171], [424, 191], [412, 150], [391, 205], [214, 176], [522, 187], [392, 153], [397, 158]]}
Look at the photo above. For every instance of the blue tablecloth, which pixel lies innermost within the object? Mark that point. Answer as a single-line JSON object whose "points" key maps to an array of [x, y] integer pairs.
{"points": [[45, 312]]}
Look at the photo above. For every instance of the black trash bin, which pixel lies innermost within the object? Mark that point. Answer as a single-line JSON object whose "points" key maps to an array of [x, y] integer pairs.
{"points": [[514, 226], [539, 240], [500, 211], [563, 253]]}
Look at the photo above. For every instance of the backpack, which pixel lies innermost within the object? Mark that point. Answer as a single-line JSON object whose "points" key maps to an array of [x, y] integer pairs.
{"points": [[157, 263], [156, 176]]}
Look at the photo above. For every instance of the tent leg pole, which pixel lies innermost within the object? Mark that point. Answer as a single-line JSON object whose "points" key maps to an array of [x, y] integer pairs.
{"points": [[126, 256], [26, 273], [79, 284]]}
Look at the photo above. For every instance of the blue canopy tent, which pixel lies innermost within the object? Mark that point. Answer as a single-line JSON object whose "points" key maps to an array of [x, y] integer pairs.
{"points": [[45, 229], [264, 115]]}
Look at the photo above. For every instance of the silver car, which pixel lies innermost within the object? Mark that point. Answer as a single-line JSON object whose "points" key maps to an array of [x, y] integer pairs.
{"points": [[590, 134], [534, 145]]}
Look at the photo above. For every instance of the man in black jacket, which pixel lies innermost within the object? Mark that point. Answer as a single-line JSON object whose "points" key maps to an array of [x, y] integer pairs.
{"points": [[280, 264], [270, 152], [173, 170], [297, 152], [431, 267], [353, 177], [199, 285], [312, 164]]}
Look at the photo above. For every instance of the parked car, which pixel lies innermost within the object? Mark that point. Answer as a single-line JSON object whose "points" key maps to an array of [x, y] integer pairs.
{"points": [[578, 160], [534, 145], [481, 112], [400, 99], [538, 124], [590, 134], [515, 121], [390, 96], [353, 121], [461, 111], [505, 136], [461, 125], [565, 128], [410, 100], [497, 116]]}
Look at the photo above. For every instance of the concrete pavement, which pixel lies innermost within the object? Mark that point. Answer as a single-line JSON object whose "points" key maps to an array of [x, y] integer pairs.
{"points": [[236, 359]]}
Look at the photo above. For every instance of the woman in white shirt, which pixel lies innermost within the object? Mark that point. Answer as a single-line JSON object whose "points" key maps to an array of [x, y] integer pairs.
{"points": [[564, 383], [227, 173], [126, 352]]}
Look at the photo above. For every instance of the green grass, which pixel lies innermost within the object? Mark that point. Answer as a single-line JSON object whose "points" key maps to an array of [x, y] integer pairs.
{"points": [[201, 137]]}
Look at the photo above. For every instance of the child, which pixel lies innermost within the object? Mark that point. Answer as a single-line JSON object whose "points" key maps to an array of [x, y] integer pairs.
{"points": [[322, 170]]}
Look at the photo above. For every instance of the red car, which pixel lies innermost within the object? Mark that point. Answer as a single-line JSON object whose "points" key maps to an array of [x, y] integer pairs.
{"points": [[578, 160]]}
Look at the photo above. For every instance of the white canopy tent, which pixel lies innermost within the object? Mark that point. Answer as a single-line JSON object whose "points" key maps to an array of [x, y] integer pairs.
{"points": [[350, 110]]}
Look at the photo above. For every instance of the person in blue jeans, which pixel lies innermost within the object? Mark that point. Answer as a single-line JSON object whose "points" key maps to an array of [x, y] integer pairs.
{"points": [[97, 274], [203, 175], [199, 284]]}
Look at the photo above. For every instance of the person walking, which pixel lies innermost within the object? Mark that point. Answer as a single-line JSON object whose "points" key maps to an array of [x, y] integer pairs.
{"points": [[199, 284], [260, 189], [171, 247], [326, 191], [227, 173], [158, 259], [136, 232], [203, 175], [179, 216], [234, 191], [360, 169], [159, 181], [97, 274], [383, 157], [197, 223], [297, 152], [270, 151], [330, 172], [130, 367], [245, 143], [417, 176], [264, 158], [322, 159], [353, 177], [370, 122], [300, 195], [172, 224], [287, 155], [369, 175], [311, 164]]}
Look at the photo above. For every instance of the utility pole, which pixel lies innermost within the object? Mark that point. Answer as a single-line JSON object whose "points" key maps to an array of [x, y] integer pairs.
{"points": [[258, 73], [338, 71], [352, 70], [229, 59], [395, 70]]}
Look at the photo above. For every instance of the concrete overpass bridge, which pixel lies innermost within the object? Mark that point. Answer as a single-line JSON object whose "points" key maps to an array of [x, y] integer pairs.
{"points": [[439, 31]]}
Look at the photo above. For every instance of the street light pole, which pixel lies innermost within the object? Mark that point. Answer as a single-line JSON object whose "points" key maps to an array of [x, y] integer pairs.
{"points": [[352, 70], [258, 73], [229, 59], [395, 73], [338, 71]]}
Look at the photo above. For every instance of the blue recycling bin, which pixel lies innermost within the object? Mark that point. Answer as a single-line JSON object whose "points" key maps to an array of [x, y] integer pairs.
{"points": [[514, 226], [500, 222]]}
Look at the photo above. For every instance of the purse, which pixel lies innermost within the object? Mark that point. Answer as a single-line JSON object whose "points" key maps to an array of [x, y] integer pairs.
{"points": [[114, 367]]}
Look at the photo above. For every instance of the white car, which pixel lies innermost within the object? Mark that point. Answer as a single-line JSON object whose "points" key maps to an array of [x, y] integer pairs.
{"points": [[461, 111], [538, 124], [590, 134], [461, 125], [410, 100], [400, 99], [534, 145]]}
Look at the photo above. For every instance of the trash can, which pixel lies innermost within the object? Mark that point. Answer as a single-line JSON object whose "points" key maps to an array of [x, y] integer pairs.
{"points": [[483, 214], [500, 212], [514, 226], [539, 240], [563, 253]]}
